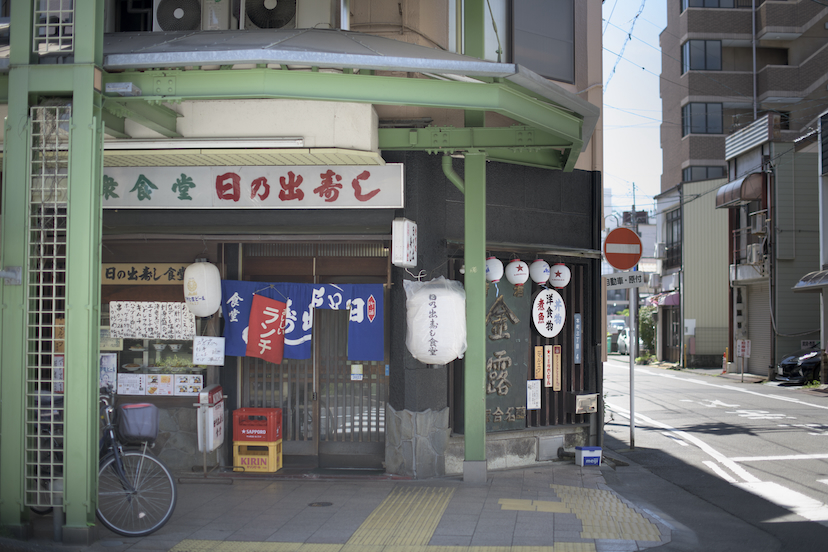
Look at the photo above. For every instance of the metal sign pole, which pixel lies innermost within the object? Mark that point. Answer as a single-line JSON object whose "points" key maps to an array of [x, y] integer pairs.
{"points": [[631, 349]]}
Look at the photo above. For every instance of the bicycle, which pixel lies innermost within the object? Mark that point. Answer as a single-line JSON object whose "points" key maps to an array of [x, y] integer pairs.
{"points": [[136, 491]]}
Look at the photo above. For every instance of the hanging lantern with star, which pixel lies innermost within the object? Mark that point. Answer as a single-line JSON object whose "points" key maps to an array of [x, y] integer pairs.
{"points": [[559, 275]]}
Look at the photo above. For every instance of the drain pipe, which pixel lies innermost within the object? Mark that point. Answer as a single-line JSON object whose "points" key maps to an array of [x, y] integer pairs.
{"points": [[453, 177]]}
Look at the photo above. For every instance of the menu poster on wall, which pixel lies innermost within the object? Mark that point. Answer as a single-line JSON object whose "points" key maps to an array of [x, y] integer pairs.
{"points": [[132, 384], [160, 384], [151, 320], [188, 385], [108, 370], [208, 351]]}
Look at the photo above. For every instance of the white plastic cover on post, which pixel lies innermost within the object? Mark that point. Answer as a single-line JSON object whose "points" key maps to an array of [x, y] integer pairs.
{"points": [[202, 289], [436, 320]]}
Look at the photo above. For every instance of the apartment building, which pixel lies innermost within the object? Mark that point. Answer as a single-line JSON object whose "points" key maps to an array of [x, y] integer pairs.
{"points": [[726, 65]]}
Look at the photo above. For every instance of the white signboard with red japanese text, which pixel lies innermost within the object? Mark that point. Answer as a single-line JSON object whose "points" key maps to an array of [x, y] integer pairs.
{"points": [[548, 313], [254, 187]]}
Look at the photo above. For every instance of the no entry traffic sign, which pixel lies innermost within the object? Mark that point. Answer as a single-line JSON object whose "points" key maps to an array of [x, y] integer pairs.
{"points": [[622, 248]]}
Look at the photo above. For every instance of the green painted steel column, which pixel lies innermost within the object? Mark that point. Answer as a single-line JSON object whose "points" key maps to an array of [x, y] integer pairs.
{"points": [[83, 267], [13, 252], [474, 376], [474, 44], [474, 28]]}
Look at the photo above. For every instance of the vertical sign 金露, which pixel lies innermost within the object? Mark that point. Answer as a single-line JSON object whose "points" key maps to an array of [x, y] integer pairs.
{"points": [[507, 351]]}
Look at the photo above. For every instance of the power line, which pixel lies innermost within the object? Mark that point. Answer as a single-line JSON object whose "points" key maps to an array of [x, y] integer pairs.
{"points": [[626, 41]]}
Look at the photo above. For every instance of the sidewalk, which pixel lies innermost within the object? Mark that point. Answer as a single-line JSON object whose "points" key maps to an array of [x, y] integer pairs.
{"points": [[553, 507]]}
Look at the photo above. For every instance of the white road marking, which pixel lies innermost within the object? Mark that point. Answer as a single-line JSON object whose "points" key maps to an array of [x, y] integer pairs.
{"points": [[674, 438], [758, 415], [822, 481], [798, 503], [716, 468], [722, 459], [730, 388], [777, 458]]}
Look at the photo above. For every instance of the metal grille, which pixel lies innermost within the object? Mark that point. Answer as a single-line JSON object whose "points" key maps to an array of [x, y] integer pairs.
{"points": [[46, 292], [53, 26], [309, 249]]}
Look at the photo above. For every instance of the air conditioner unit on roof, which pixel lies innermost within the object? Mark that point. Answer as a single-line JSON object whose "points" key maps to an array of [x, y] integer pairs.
{"points": [[269, 14], [190, 15]]}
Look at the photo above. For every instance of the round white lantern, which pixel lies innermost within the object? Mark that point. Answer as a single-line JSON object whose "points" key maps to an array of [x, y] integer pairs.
{"points": [[435, 320], [539, 271], [494, 269], [559, 275], [202, 289], [517, 272]]}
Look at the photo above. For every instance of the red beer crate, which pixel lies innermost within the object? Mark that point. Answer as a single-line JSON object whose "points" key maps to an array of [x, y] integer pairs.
{"points": [[261, 457], [257, 425]]}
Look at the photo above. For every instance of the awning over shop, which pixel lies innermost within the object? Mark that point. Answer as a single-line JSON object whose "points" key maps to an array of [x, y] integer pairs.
{"points": [[813, 281], [740, 191], [666, 299]]}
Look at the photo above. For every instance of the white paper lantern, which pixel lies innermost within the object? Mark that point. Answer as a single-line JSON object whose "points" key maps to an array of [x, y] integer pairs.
{"points": [[539, 271], [435, 320], [202, 289], [494, 269], [517, 272], [559, 275]]}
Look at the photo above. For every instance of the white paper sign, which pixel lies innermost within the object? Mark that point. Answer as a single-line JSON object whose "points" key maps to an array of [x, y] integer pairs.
{"points": [[208, 351], [533, 394], [132, 384], [150, 320]]}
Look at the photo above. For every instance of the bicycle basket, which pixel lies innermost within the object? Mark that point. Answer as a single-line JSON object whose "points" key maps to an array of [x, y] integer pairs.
{"points": [[137, 422]]}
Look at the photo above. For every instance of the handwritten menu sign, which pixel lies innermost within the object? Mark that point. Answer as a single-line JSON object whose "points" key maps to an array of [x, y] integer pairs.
{"points": [[208, 351], [150, 320]]}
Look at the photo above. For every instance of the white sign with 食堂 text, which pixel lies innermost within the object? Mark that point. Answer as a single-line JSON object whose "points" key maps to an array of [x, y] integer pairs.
{"points": [[255, 187]]}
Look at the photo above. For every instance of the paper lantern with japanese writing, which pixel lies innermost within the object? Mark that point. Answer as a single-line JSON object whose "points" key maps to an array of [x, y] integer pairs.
{"points": [[539, 271], [435, 320], [494, 269], [202, 289], [517, 272], [559, 275]]}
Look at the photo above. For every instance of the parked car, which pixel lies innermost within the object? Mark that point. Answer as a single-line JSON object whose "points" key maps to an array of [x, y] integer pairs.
{"points": [[624, 342], [800, 367], [616, 326]]}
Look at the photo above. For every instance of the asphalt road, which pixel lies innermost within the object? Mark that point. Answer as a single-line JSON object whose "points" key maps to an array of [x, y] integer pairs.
{"points": [[756, 453]]}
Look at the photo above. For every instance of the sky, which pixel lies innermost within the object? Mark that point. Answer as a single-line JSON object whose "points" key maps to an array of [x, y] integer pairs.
{"points": [[632, 107]]}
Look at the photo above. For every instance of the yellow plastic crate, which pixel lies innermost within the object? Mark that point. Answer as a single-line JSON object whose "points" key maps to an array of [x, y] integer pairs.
{"points": [[259, 457]]}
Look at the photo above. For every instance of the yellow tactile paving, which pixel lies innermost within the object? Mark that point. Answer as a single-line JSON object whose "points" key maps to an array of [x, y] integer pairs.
{"points": [[408, 516], [602, 514], [605, 516]]}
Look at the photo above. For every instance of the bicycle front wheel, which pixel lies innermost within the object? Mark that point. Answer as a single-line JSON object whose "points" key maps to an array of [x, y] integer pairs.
{"points": [[144, 510]]}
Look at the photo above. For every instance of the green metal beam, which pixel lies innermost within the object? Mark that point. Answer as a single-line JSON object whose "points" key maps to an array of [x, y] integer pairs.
{"points": [[454, 139], [172, 86], [114, 125], [541, 158], [155, 117]]}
